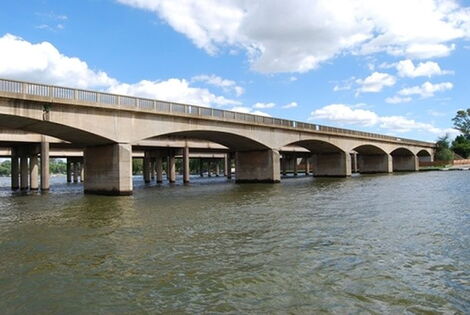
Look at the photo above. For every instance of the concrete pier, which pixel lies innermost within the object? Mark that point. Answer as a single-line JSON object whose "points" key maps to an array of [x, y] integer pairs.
{"points": [[33, 172], [108, 169], [69, 170], [405, 163], [159, 169], [171, 167], [229, 162], [334, 164], [15, 169], [257, 166], [186, 165], [76, 171], [45, 165], [146, 167], [307, 166], [295, 161], [24, 172], [374, 163]]}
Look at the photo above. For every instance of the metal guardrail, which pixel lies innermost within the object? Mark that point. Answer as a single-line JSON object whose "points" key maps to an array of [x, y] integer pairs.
{"points": [[57, 93]]}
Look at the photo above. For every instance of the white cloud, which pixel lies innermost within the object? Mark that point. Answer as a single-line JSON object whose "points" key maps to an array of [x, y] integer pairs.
{"points": [[427, 89], [249, 110], [42, 62], [398, 100], [345, 114], [174, 90], [290, 105], [375, 82], [263, 105], [298, 35], [227, 85], [406, 68]]}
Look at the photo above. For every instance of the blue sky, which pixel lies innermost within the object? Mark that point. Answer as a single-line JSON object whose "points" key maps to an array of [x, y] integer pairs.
{"points": [[392, 67]]}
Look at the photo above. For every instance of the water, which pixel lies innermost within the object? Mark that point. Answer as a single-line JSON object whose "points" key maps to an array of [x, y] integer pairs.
{"points": [[368, 244]]}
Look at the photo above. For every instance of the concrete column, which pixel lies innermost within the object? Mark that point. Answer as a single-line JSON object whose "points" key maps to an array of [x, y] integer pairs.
{"points": [[69, 170], [45, 165], [33, 173], [229, 162], [76, 171], [15, 169], [217, 168], [82, 172], [24, 172], [257, 166], [354, 163], [152, 169], [225, 165], [108, 169], [307, 166], [284, 165], [209, 168], [159, 169], [378, 163], [201, 167], [334, 164], [172, 167], [146, 167], [405, 163], [185, 165], [295, 164]]}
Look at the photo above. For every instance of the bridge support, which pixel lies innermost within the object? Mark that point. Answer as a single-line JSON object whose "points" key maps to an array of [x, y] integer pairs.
{"points": [[159, 169], [171, 167], [374, 163], [185, 165], [405, 163], [45, 165], [334, 164], [257, 166], [24, 172], [295, 160], [146, 167], [33, 173], [108, 169], [15, 169]]}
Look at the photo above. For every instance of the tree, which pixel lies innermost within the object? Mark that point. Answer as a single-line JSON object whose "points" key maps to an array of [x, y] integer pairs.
{"points": [[461, 146], [443, 152], [5, 168], [462, 122]]}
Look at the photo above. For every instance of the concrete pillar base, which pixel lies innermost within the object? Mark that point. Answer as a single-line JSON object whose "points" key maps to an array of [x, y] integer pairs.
{"points": [[405, 163], [373, 164], [257, 167], [108, 170], [335, 164]]}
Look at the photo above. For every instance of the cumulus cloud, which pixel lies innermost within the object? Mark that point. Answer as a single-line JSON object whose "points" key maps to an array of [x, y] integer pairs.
{"points": [[290, 105], [225, 84], [375, 82], [249, 110], [397, 100], [42, 62], [427, 89], [345, 114], [298, 35], [406, 68], [264, 105]]}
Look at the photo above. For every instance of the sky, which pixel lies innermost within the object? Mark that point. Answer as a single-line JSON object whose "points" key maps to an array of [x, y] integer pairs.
{"points": [[392, 67]]}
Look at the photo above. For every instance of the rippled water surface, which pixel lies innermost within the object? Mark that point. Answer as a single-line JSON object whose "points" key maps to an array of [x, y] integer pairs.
{"points": [[367, 244]]}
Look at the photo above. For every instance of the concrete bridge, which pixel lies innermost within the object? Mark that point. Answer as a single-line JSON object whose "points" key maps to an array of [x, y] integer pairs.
{"points": [[109, 126]]}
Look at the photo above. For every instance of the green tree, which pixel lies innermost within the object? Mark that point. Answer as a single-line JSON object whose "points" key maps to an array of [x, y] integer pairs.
{"points": [[443, 151], [462, 122], [5, 168], [137, 166], [57, 166], [461, 146]]}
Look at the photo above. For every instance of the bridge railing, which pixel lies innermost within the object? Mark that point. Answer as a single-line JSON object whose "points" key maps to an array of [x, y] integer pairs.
{"points": [[57, 93]]}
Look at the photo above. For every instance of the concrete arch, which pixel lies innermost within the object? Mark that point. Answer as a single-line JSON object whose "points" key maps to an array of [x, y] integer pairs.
{"points": [[404, 160], [372, 159], [58, 130], [328, 159], [425, 156], [233, 141]]}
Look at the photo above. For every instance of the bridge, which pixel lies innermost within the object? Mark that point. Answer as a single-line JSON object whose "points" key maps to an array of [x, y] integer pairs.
{"points": [[109, 127]]}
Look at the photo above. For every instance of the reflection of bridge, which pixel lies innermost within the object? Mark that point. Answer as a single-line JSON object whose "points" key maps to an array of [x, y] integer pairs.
{"points": [[109, 127]]}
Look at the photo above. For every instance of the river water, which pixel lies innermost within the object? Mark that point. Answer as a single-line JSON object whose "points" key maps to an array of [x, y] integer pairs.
{"points": [[367, 244]]}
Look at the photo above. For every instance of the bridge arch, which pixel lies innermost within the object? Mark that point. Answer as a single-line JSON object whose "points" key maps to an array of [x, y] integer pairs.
{"points": [[327, 158], [404, 160], [425, 156], [372, 159], [234, 142]]}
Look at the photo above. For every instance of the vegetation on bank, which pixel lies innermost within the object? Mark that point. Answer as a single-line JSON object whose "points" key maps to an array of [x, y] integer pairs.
{"points": [[56, 166], [447, 150]]}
